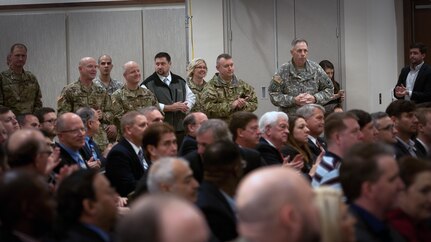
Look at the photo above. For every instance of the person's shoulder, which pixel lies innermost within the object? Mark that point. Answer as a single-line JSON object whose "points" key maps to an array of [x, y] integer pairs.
{"points": [[150, 78]]}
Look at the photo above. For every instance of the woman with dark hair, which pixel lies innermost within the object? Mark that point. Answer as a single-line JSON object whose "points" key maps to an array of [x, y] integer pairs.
{"points": [[412, 218], [335, 105], [297, 144]]}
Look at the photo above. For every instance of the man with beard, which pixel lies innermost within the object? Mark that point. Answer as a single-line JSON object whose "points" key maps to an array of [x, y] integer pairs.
{"points": [[276, 204], [47, 119], [402, 113], [414, 82], [26, 207]]}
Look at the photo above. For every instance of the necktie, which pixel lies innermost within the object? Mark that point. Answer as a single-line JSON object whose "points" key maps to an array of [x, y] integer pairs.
{"points": [[81, 162], [166, 81], [142, 159]]}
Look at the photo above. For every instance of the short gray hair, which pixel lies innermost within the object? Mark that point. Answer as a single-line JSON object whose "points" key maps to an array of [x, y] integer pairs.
{"points": [[306, 111], [86, 114], [162, 171], [271, 118], [147, 110], [218, 128]]}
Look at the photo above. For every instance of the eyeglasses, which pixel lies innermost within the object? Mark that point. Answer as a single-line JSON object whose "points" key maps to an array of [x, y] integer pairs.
{"points": [[74, 131], [387, 128]]}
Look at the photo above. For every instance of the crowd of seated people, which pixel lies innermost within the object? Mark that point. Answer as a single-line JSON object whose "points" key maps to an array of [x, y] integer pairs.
{"points": [[169, 171]]}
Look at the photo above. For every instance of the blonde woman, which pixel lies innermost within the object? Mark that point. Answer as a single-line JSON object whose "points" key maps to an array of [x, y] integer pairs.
{"points": [[196, 72], [336, 223]]}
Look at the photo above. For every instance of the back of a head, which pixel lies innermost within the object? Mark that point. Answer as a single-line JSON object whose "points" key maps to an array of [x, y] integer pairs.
{"points": [[23, 147], [364, 118], [71, 193], [23, 199], [360, 164], [397, 107], [328, 202], [160, 218], [222, 153], [218, 128]]}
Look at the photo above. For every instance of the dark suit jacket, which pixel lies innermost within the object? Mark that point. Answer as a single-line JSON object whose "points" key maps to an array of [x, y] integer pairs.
{"points": [[269, 153], [315, 151], [86, 152], [422, 89], [188, 145], [421, 152], [82, 234], [400, 150], [218, 213], [252, 158], [66, 159], [364, 232], [123, 167]]}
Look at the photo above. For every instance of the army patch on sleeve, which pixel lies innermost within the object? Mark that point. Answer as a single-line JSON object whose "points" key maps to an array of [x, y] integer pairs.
{"points": [[277, 78]]}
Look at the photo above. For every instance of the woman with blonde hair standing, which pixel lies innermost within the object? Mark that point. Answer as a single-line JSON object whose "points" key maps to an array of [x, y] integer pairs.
{"points": [[336, 223], [196, 72]]}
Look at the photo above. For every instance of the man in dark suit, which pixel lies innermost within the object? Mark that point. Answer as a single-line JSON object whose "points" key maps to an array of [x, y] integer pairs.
{"points": [[215, 195], [174, 95], [191, 124], [125, 163], [210, 132], [86, 208], [314, 115], [414, 82], [423, 138], [71, 136], [90, 118], [373, 193], [402, 112], [274, 128]]}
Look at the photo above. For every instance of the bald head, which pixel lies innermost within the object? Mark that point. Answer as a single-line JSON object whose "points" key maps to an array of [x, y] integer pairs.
{"points": [[132, 74], [163, 218], [87, 69], [17, 139], [71, 131], [275, 204]]}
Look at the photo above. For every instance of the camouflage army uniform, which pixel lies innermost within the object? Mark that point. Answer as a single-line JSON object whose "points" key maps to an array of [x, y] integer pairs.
{"points": [[197, 90], [113, 86], [20, 92], [217, 97], [75, 96], [125, 100], [288, 83]]}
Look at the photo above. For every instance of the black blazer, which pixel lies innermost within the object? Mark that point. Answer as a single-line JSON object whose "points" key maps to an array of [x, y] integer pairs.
{"points": [[219, 215], [188, 145], [66, 159], [123, 167], [422, 89], [269, 153], [86, 152], [82, 234], [421, 152], [400, 150], [315, 151]]}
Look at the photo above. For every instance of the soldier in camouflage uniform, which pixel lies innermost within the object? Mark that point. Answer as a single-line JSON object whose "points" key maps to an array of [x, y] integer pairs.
{"points": [[225, 93], [299, 82], [19, 89], [104, 79], [131, 96], [196, 72], [84, 93]]}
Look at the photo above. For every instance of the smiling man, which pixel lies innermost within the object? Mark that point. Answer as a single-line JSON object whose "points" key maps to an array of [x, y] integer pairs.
{"points": [[300, 81]]}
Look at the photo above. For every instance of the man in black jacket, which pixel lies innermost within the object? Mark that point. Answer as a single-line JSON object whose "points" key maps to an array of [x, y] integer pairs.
{"points": [[414, 82], [174, 96]]}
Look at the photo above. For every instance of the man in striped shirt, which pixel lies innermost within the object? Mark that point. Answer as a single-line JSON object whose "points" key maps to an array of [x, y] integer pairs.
{"points": [[341, 131]]}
